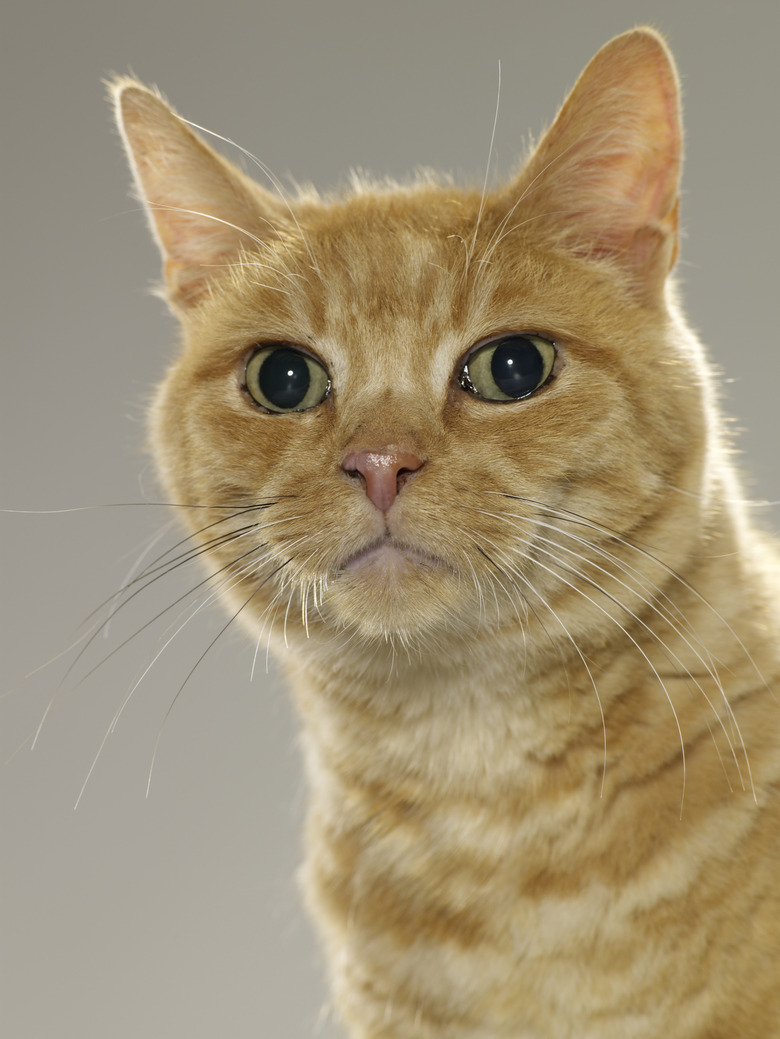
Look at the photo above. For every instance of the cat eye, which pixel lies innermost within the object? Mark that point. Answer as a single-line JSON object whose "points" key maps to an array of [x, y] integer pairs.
{"points": [[283, 379], [509, 368]]}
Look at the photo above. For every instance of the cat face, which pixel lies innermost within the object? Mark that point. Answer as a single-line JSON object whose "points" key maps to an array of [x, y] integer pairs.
{"points": [[416, 410]]}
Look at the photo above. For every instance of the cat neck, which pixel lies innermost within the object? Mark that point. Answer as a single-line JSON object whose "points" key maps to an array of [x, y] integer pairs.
{"points": [[506, 707]]}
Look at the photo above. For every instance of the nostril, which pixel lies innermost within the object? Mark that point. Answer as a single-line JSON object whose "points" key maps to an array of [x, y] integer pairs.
{"points": [[354, 474], [403, 475], [353, 466]]}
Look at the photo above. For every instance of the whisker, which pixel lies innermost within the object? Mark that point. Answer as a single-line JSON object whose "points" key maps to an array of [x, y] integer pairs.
{"points": [[675, 660], [227, 581], [661, 611], [246, 262], [665, 615], [150, 576], [162, 567], [255, 284], [230, 580], [197, 663], [668, 652], [499, 234], [167, 208], [574, 517], [477, 585], [131, 637], [470, 249], [274, 180], [647, 659], [153, 542], [73, 640], [567, 633]]}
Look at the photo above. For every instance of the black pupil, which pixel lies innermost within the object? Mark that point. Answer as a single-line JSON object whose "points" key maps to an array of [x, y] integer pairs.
{"points": [[284, 378], [517, 367]]}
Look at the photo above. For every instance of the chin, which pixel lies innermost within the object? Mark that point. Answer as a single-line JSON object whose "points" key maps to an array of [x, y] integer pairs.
{"points": [[393, 593]]}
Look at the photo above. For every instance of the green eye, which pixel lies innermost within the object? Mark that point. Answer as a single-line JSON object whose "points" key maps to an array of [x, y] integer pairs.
{"points": [[283, 379], [509, 368]]}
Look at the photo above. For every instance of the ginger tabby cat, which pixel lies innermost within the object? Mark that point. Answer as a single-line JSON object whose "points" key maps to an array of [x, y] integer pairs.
{"points": [[455, 455]]}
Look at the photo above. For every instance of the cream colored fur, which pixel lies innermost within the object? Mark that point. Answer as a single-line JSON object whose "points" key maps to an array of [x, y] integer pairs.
{"points": [[541, 722]]}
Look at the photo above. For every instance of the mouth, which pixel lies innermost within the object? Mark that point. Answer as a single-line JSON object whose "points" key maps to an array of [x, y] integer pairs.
{"points": [[390, 588], [390, 558]]}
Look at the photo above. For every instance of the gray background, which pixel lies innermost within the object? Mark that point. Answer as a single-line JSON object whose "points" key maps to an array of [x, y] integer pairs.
{"points": [[177, 916]]}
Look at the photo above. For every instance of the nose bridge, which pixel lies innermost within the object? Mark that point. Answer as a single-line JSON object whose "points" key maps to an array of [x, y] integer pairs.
{"points": [[386, 440], [394, 420]]}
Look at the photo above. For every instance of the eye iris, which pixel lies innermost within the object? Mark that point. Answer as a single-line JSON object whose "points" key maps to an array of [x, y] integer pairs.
{"points": [[284, 378], [517, 367], [509, 368]]}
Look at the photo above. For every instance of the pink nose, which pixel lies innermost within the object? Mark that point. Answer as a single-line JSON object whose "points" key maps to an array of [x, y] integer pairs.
{"points": [[383, 472]]}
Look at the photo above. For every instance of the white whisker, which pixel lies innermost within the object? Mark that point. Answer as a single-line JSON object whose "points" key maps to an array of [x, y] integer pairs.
{"points": [[524, 579], [472, 246], [271, 177], [615, 536]]}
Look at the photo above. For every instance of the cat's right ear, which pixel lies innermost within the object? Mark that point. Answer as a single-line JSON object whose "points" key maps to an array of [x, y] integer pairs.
{"points": [[604, 180], [202, 210]]}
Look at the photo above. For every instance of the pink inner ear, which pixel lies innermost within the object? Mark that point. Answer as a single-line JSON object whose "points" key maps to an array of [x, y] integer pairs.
{"points": [[202, 209], [607, 171], [195, 231], [196, 239], [187, 284]]}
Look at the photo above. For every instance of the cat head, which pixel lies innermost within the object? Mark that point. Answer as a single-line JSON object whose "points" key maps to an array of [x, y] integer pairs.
{"points": [[409, 411]]}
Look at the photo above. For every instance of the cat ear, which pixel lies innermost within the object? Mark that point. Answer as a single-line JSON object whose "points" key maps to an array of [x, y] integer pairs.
{"points": [[202, 210], [605, 177]]}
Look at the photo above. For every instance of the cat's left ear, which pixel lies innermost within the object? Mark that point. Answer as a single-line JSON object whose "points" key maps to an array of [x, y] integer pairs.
{"points": [[203, 210], [604, 180]]}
